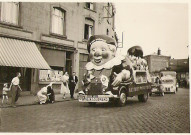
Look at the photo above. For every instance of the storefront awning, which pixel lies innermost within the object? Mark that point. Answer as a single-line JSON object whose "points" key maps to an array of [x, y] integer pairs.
{"points": [[18, 53]]}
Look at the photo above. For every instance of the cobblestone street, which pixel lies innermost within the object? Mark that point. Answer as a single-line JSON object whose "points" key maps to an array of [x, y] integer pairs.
{"points": [[168, 114]]}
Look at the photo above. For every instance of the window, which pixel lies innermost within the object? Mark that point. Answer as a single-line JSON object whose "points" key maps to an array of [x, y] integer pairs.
{"points": [[54, 74], [58, 21], [10, 12], [88, 28], [90, 5]]}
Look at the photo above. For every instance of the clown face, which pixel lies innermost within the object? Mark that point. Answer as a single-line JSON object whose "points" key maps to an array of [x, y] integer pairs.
{"points": [[101, 52]]}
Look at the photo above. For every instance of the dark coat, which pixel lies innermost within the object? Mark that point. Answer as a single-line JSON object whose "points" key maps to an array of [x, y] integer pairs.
{"points": [[51, 97], [72, 83]]}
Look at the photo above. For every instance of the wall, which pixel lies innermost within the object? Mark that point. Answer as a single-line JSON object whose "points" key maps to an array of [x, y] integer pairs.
{"points": [[157, 62]]}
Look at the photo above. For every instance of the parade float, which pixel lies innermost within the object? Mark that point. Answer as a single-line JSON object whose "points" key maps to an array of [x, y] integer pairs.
{"points": [[111, 77]]}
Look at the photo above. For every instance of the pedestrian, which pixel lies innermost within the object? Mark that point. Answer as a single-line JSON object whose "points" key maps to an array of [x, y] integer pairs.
{"points": [[14, 88], [73, 80], [51, 95], [5, 94], [64, 86], [42, 94]]}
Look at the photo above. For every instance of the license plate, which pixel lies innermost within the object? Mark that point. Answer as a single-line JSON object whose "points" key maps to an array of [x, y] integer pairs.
{"points": [[93, 99]]}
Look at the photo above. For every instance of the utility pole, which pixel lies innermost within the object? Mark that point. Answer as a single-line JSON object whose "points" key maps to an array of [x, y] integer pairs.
{"points": [[121, 42]]}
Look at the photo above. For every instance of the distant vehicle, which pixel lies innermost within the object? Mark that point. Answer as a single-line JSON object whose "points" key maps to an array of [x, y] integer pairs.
{"points": [[156, 86], [168, 81]]}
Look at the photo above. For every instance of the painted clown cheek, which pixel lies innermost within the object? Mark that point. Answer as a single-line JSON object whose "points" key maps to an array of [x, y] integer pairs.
{"points": [[105, 55]]}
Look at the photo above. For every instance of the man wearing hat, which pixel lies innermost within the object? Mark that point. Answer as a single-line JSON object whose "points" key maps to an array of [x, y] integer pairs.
{"points": [[104, 65]]}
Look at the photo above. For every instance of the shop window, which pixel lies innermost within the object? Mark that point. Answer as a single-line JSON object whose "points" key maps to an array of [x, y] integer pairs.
{"points": [[90, 5], [88, 28], [10, 12], [58, 21], [54, 74]]}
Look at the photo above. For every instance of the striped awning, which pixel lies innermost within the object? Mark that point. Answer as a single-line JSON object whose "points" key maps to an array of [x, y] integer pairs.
{"points": [[19, 53]]}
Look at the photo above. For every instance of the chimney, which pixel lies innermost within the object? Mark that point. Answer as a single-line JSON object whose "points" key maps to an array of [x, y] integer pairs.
{"points": [[159, 51]]}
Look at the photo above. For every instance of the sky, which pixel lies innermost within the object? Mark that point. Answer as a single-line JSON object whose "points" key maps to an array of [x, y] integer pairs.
{"points": [[153, 26]]}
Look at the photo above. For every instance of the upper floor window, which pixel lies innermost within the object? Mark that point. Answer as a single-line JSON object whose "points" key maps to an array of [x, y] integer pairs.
{"points": [[90, 5], [10, 12], [58, 21], [89, 28]]}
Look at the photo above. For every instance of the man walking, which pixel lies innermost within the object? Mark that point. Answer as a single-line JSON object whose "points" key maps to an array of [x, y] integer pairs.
{"points": [[14, 88], [73, 80]]}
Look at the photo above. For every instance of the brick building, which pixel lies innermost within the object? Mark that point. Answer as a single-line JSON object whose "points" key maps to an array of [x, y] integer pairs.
{"points": [[157, 62], [60, 32]]}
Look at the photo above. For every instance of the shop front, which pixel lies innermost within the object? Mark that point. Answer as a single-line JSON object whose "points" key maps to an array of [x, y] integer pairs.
{"points": [[60, 62], [19, 56]]}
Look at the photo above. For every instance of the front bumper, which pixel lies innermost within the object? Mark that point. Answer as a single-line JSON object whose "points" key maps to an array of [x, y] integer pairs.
{"points": [[96, 98]]}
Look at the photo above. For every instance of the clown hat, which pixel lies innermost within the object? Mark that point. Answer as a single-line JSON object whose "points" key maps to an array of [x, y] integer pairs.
{"points": [[103, 38]]}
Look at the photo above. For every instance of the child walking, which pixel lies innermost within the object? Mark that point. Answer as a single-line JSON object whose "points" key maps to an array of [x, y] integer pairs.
{"points": [[5, 90]]}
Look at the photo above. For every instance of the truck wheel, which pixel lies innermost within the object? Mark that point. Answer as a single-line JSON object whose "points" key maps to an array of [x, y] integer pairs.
{"points": [[122, 99], [92, 103], [143, 97]]}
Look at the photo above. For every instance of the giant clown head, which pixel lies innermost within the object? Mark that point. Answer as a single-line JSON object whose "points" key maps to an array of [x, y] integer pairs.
{"points": [[101, 49]]}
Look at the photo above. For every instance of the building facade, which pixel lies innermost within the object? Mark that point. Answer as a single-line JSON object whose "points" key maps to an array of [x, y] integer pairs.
{"points": [[59, 30]]}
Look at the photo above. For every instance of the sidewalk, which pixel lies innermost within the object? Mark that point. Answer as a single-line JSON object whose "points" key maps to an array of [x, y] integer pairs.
{"points": [[32, 100]]}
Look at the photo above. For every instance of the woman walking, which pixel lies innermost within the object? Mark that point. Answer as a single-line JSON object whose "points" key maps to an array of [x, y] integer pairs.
{"points": [[64, 86]]}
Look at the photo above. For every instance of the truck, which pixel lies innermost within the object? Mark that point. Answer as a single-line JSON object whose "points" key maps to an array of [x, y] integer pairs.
{"points": [[137, 85]]}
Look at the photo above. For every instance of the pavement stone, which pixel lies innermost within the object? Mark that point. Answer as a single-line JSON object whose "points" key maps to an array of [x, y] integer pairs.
{"points": [[168, 114]]}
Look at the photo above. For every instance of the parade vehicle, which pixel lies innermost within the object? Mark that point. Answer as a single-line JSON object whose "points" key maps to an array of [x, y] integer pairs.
{"points": [[169, 82], [111, 77], [137, 85]]}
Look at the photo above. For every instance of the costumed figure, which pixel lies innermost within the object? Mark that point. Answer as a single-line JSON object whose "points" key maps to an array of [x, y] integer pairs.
{"points": [[135, 54], [104, 66]]}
